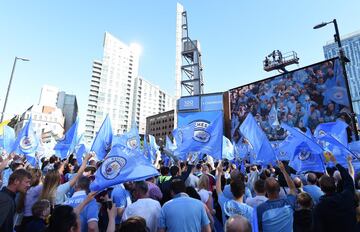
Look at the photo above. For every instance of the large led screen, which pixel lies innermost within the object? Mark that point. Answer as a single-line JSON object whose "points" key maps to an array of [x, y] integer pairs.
{"points": [[302, 98]]}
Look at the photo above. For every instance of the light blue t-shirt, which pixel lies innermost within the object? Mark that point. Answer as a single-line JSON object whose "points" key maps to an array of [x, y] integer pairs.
{"points": [[230, 207], [183, 213], [61, 192], [314, 191], [276, 215], [121, 198], [89, 213]]}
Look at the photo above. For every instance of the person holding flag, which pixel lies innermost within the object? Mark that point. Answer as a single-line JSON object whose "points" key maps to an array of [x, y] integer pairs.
{"points": [[336, 210]]}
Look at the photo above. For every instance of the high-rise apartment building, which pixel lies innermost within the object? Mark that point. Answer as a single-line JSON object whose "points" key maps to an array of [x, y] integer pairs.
{"points": [[68, 104], [351, 46], [50, 96], [116, 89], [150, 100]]}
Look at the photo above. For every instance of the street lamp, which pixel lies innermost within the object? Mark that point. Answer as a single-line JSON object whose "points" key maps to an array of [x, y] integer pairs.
{"points": [[8, 89], [343, 61]]}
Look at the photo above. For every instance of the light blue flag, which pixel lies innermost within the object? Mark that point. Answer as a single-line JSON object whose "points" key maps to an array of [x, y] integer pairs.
{"points": [[285, 149], [149, 151], [66, 146], [130, 139], [340, 151], [262, 152], [308, 155], [80, 151], [7, 139], [336, 129], [338, 73], [152, 142], [273, 118], [116, 140], [27, 143], [122, 165], [241, 150], [200, 136], [227, 149], [355, 147], [103, 140], [305, 159], [336, 94], [169, 144]]}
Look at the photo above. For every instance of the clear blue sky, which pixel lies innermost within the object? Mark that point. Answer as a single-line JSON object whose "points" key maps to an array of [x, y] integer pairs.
{"points": [[62, 38]]}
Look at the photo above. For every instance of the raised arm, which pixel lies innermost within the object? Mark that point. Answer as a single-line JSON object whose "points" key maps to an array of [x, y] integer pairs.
{"points": [[6, 161], [288, 180], [79, 173], [219, 172], [350, 167], [347, 180]]}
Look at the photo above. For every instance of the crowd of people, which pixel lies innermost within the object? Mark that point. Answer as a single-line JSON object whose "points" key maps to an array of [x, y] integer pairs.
{"points": [[299, 99], [196, 195]]}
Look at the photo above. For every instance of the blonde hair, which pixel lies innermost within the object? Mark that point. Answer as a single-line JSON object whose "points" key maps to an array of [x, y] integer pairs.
{"points": [[51, 182], [204, 182]]}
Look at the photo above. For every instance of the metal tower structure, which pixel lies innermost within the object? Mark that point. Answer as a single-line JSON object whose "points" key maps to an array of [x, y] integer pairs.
{"points": [[191, 69]]}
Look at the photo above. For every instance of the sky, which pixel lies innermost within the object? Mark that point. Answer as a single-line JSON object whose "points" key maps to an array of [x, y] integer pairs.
{"points": [[62, 38]]}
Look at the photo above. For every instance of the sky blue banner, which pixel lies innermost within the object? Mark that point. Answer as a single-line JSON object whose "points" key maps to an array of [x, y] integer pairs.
{"points": [[200, 132], [27, 143], [262, 152], [103, 140], [212, 102], [189, 103], [122, 165], [66, 146], [7, 139]]}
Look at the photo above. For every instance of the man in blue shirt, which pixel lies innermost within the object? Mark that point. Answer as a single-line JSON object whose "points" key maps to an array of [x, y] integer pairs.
{"points": [[89, 215], [121, 198], [276, 214], [183, 213], [236, 205], [312, 189]]}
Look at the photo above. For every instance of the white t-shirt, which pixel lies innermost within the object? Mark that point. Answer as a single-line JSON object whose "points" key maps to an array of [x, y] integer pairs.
{"points": [[204, 195], [255, 201], [146, 208]]}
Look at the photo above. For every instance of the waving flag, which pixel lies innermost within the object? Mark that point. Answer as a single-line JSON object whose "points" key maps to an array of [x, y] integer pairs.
{"points": [[152, 142], [227, 149], [308, 155], [122, 165], [149, 153], [169, 144], [103, 140], [336, 94], [7, 139], [200, 135], [130, 139], [80, 151], [305, 159], [262, 151], [27, 143], [66, 146], [273, 118], [335, 129]]}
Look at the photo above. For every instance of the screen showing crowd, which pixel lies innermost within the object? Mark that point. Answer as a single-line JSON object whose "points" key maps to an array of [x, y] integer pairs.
{"points": [[303, 98]]}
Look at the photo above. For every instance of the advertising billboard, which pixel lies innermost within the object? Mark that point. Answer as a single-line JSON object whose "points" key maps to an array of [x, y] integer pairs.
{"points": [[302, 98]]}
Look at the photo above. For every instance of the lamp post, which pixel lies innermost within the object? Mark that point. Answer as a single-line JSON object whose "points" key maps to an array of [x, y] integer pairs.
{"points": [[8, 88], [343, 61]]}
